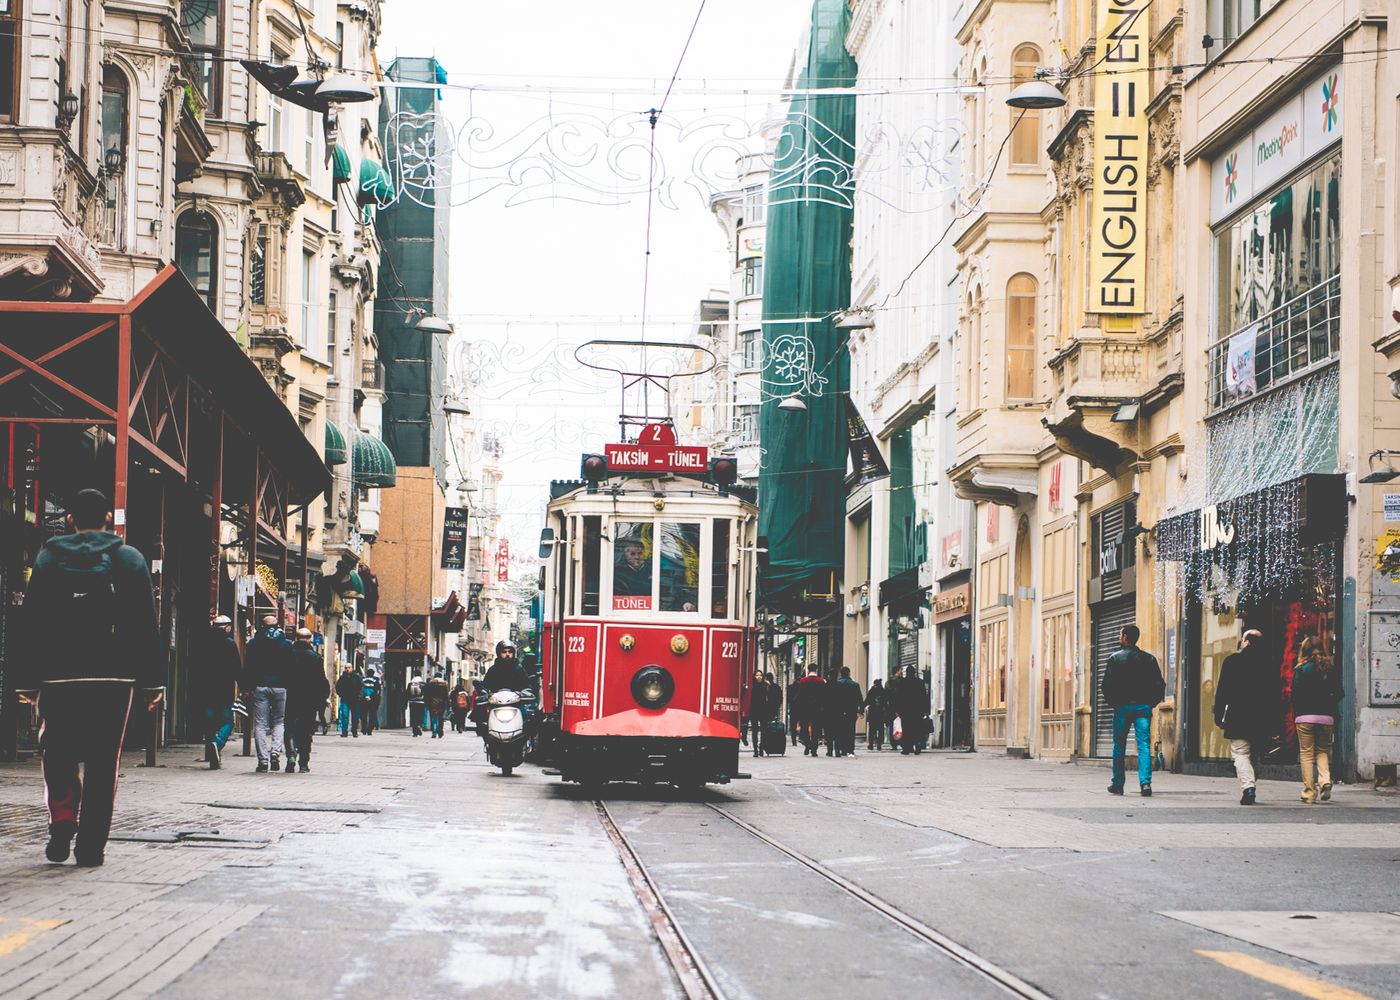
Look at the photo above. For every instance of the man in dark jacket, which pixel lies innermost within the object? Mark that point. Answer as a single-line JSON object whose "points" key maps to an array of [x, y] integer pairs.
{"points": [[307, 690], [875, 715], [435, 694], [347, 689], [89, 641], [847, 701], [760, 711], [912, 706], [808, 706], [1248, 706], [1133, 686], [215, 686], [371, 693], [265, 669], [504, 674]]}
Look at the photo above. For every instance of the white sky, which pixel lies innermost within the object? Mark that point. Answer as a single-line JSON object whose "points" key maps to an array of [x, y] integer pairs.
{"points": [[560, 257]]}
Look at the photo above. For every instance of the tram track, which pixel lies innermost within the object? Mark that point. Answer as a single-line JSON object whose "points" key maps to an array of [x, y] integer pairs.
{"points": [[690, 969]]}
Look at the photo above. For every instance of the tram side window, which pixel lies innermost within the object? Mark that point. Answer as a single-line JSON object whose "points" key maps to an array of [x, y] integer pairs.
{"points": [[633, 564], [592, 564], [680, 567], [719, 571]]}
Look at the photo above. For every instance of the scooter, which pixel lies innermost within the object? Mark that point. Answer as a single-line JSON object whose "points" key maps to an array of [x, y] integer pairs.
{"points": [[505, 729]]}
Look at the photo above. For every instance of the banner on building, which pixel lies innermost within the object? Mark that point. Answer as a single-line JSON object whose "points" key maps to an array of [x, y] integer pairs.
{"points": [[454, 538], [474, 602], [867, 463], [1118, 227], [1240, 378], [503, 560]]}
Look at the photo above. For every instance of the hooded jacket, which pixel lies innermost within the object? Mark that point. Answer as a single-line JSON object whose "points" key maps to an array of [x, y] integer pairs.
{"points": [[56, 649], [267, 659]]}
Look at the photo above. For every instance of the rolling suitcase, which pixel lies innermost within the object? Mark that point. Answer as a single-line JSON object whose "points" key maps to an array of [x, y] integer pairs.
{"points": [[774, 739]]}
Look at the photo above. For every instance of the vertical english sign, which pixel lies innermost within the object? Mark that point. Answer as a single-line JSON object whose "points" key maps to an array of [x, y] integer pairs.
{"points": [[1118, 231]]}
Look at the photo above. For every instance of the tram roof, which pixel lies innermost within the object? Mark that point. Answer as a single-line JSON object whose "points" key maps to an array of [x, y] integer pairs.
{"points": [[646, 488]]}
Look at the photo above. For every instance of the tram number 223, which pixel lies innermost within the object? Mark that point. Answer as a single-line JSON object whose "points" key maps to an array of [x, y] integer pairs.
{"points": [[728, 650], [575, 644]]}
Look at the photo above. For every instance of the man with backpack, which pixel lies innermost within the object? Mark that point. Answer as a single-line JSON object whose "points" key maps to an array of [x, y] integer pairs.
{"points": [[1132, 685], [347, 689], [436, 697], [265, 665], [90, 642], [461, 704], [415, 692], [370, 691], [215, 685]]}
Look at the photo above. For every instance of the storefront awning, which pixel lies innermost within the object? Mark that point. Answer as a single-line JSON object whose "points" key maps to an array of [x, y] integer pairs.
{"points": [[373, 464], [340, 164], [336, 453], [376, 188]]}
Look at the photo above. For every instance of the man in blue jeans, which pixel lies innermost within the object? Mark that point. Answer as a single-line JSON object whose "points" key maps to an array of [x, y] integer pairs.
{"points": [[1133, 685]]}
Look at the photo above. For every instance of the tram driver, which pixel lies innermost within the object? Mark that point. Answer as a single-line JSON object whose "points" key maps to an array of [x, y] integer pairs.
{"points": [[632, 573]]}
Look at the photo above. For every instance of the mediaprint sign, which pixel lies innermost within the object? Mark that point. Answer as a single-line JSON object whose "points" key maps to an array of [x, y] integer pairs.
{"points": [[1306, 124]]}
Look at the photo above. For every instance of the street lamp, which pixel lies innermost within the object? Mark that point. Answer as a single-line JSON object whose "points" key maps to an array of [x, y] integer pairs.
{"points": [[855, 319], [114, 160], [1036, 95], [793, 404], [428, 323], [342, 88]]}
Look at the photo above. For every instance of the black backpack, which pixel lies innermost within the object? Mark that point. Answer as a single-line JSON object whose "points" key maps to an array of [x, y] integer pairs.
{"points": [[88, 598]]}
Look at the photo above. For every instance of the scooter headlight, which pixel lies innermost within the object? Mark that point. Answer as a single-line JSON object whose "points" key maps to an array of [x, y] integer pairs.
{"points": [[652, 687]]}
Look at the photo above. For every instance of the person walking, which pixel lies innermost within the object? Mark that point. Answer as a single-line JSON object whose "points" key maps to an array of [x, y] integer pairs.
{"points": [[849, 703], [461, 704], [265, 668], [760, 710], [1316, 695], [347, 688], [306, 689], [912, 706], [1247, 707], [371, 690], [415, 693], [89, 642], [436, 692], [874, 708], [1132, 686], [215, 685], [808, 704]]}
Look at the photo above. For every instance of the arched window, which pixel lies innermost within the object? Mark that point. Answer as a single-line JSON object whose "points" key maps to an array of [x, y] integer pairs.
{"points": [[196, 237], [1020, 339], [1025, 141], [112, 157]]}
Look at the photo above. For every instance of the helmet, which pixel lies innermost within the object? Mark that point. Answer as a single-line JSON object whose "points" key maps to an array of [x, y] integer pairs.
{"points": [[221, 621], [503, 645]]}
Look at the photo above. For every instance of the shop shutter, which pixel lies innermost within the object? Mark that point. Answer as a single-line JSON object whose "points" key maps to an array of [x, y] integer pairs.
{"points": [[1108, 621], [908, 652]]}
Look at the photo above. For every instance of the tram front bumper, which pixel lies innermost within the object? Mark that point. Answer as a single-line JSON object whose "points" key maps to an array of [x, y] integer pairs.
{"points": [[648, 758]]}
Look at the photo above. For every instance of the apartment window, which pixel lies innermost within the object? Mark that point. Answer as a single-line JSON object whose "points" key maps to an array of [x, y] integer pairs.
{"points": [[746, 423], [1232, 18], [1020, 339], [1025, 141], [755, 204], [308, 300], [201, 21], [339, 44], [276, 111], [196, 235], [257, 269], [114, 122], [332, 302], [309, 143], [753, 277], [9, 59], [750, 349]]}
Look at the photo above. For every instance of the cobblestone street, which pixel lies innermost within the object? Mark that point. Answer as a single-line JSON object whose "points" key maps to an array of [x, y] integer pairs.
{"points": [[401, 864]]}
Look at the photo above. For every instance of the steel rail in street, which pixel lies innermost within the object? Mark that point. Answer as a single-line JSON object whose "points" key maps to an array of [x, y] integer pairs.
{"points": [[1013, 984], [690, 970]]}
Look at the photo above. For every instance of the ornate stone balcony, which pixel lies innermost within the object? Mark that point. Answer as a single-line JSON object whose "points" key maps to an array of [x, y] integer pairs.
{"points": [[50, 212]]}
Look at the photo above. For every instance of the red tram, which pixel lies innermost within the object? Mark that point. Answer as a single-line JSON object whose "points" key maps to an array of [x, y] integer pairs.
{"points": [[648, 642]]}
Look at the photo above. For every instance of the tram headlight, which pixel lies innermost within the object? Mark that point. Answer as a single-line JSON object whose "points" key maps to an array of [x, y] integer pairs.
{"points": [[652, 687], [680, 645]]}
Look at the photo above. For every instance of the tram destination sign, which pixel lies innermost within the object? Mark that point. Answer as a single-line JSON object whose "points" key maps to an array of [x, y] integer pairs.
{"points": [[657, 458]]}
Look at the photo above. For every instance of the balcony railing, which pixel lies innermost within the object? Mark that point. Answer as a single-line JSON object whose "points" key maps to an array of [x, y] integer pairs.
{"points": [[1301, 334], [371, 375]]}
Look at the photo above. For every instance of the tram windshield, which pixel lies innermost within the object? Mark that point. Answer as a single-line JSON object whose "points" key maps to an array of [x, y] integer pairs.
{"points": [[656, 565]]}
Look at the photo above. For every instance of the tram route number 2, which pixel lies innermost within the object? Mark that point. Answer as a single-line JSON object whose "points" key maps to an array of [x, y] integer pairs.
{"points": [[729, 651], [576, 644]]}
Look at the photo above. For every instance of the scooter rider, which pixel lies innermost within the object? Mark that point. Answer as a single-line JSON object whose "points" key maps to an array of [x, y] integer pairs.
{"points": [[505, 674]]}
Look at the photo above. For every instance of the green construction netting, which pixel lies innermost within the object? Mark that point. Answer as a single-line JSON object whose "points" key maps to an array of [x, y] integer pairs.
{"points": [[807, 273], [340, 164]]}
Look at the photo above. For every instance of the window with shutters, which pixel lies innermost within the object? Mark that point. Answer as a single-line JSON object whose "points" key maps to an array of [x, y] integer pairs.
{"points": [[1020, 339]]}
